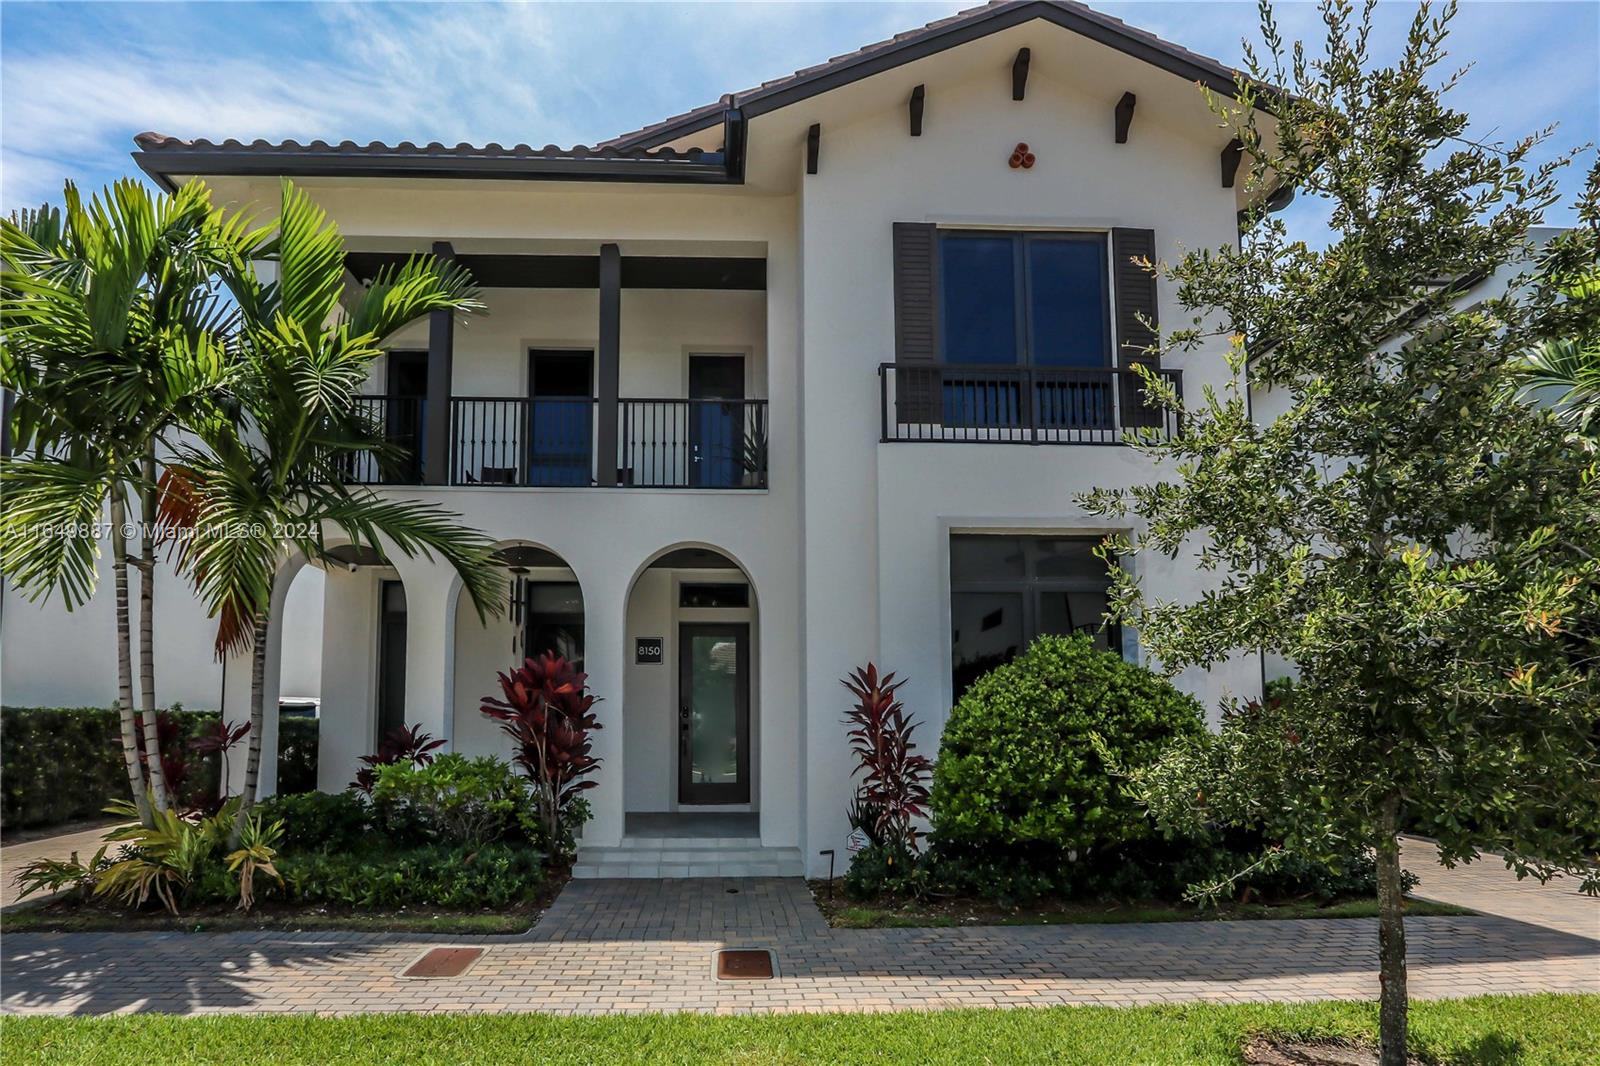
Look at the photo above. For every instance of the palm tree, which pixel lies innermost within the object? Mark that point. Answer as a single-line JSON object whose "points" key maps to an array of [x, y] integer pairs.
{"points": [[112, 333], [267, 479]]}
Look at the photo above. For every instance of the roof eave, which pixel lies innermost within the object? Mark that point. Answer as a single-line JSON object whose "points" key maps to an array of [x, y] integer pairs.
{"points": [[709, 168]]}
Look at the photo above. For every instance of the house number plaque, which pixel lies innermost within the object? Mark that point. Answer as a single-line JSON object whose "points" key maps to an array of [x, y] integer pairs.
{"points": [[647, 651]]}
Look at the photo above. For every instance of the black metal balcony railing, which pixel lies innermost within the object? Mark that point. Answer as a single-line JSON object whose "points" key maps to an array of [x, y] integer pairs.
{"points": [[701, 444], [1017, 404], [552, 441], [399, 419]]}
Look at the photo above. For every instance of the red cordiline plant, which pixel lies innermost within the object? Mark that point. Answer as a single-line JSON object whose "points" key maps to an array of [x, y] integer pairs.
{"points": [[403, 743], [218, 740], [547, 713], [894, 781]]}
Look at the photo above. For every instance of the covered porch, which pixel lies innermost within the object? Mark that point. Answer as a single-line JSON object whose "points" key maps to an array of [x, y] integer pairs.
{"points": [[592, 368]]}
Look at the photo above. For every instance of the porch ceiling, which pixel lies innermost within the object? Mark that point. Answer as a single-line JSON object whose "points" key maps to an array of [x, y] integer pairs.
{"points": [[537, 271]]}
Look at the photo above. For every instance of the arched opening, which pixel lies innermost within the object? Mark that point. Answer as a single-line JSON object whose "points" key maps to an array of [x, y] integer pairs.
{"points": [[543, 613], [300, 679], [690, 716]]}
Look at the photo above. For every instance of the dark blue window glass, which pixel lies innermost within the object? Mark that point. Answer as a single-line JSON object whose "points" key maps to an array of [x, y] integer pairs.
{"points": [[1067, 302], [978, 274]]}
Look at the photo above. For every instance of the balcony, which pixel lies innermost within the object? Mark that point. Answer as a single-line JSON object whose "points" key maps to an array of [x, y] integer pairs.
{"points": [[516, 441], [997, 404]]}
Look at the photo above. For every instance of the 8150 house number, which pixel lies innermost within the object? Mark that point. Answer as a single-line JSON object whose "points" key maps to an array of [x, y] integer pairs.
{"points": [[647, 650]]}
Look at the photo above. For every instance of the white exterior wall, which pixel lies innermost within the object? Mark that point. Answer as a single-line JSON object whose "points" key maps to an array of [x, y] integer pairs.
{"points": [[607, 536], [881, 514], [847, 551]]}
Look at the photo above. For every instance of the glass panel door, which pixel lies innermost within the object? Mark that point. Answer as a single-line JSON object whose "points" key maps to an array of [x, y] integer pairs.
{"points": [[713, 713], [716, 430], [560, 417]]}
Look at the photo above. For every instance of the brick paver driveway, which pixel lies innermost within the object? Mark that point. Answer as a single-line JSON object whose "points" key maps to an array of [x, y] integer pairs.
{"points": [[613, 946]]}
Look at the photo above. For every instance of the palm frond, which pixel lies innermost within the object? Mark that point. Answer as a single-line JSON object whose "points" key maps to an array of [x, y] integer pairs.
{"points": [[48, 526], [401, 294], [413, 528], [310, 262]]}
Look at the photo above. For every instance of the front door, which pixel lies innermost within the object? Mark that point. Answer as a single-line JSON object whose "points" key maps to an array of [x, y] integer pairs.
{"points": [[713, 713], [716, 421]]}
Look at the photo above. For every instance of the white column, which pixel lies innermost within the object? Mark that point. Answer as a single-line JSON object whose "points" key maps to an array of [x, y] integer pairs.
{"points": [[604, 636], [347, 726], [430, 642]]}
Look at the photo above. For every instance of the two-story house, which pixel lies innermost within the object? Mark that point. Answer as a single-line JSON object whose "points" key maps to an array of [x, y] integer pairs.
{"points": [[808, 376]]}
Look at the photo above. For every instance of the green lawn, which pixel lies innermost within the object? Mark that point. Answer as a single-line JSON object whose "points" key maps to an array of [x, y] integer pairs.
{"points": [[1492, 1029]]}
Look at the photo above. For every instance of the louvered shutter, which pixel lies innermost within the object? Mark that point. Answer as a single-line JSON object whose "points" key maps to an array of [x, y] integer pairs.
{"points": [[1136, 296], [916, 322]]}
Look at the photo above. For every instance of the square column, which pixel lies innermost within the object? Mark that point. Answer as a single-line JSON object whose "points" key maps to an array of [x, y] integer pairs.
{"points": [[608, 369], [436, 431]]}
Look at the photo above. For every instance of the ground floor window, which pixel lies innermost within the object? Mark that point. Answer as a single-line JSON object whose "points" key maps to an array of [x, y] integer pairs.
{"points": [[553, 620], [1006, 590]]}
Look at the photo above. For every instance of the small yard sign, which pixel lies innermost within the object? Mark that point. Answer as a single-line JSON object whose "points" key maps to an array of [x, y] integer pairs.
{"points": [[856, 841], [647, 651]]}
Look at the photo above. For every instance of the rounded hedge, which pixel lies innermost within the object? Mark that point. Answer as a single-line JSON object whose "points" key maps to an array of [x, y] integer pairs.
{"points": [[1017, 769]]}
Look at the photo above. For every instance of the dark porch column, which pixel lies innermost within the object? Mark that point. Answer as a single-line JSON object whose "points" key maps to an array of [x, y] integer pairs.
{"points": [[436, 413], [608, 368]]}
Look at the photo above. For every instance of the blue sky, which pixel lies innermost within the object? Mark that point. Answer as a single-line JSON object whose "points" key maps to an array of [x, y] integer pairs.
{"points": [[78, 80]]}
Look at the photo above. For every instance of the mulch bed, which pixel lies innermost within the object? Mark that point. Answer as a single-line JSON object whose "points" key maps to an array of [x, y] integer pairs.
{"points": [[1281, 1051]]}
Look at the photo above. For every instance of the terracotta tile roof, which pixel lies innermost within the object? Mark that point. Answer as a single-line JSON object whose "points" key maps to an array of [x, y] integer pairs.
{"points": [[160, 142]]}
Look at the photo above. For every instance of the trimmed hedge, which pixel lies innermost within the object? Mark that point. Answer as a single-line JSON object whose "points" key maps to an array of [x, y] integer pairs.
{"points": [[1018, 772], [64, 764]]}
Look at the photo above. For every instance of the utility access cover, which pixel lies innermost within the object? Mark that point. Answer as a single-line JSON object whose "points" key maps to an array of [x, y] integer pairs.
{"points": [[444, 962], [745, 964]]}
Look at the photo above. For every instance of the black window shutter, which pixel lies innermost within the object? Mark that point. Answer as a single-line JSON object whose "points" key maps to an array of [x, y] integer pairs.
{"points": [[916, 322], [1136, 297]]}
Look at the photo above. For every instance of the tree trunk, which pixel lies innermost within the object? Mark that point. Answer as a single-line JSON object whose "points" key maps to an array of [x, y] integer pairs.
{"points": [[130, 728], [1391, 941], [147, 608], [258, 687]]}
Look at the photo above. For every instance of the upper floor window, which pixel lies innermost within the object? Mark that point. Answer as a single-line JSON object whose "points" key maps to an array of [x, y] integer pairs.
{"points": [[1010, 299]]}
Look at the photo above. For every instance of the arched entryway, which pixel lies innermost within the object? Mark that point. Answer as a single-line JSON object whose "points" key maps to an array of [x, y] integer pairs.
{"points": [[543, 613], [690, 720]]}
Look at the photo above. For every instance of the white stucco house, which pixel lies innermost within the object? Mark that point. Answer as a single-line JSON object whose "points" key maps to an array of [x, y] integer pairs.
{"points": [[802, 378]]}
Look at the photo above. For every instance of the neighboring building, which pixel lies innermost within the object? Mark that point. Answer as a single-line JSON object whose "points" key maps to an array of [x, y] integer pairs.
{"points": [[799, 379]]}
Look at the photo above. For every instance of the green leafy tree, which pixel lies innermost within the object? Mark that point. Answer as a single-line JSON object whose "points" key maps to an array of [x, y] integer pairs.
{"points": [[1419, 542], [112, 332], [267, 479], [1567, 363]]}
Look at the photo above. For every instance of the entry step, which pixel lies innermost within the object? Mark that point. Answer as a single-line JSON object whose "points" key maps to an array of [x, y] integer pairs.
{"points": [[673, 857]]}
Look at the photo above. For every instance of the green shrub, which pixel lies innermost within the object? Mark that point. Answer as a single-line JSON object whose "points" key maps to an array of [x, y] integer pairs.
{"points": [[1018, 775], [494, 875], [451, 800], [64, 764], [320, 821]]}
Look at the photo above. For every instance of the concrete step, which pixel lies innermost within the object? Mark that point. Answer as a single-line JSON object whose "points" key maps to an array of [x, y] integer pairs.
{"points": [[632, 843], [716, 860]]}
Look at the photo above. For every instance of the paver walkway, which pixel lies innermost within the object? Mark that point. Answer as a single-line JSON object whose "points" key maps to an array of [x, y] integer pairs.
{"points": [[14, 857], [621, 946]]}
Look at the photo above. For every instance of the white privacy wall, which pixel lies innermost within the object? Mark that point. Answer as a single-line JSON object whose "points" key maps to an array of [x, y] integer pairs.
{"points": [[52, 657], [878, 517]]}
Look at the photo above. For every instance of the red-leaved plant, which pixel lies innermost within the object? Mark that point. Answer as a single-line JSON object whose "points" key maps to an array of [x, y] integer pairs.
{"points": [[403, 743], [894, 781], [547, 714], [218, 740]]}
